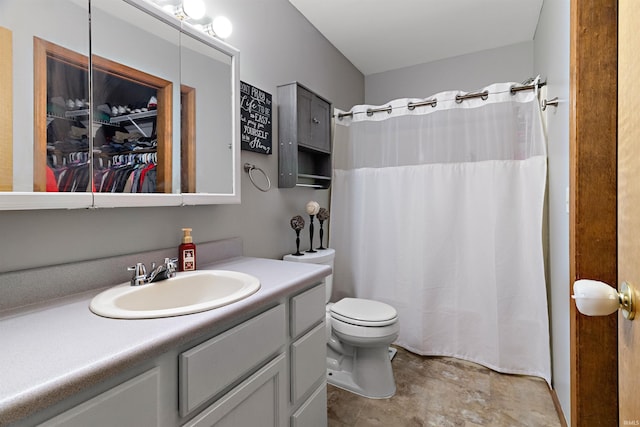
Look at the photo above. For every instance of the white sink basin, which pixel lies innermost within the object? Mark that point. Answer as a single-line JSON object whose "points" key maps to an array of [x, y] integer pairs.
{"points": [[187, 293]]}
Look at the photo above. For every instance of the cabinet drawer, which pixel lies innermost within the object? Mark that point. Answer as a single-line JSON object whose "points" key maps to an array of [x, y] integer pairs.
{"points": [[258, 401], [313, 412], [307, 309], [308, 361], [210, 367], [132, 403]]}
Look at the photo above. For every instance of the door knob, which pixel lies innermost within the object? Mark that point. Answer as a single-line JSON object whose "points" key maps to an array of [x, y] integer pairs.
{"points": [[594, 298]]}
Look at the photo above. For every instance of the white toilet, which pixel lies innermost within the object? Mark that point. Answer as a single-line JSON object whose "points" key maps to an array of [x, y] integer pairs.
{"points": [[359, 332]]}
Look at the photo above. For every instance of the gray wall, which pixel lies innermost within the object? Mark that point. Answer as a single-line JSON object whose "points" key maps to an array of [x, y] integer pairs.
{"points": [[513, 63], [277, 46], [551, 58]]}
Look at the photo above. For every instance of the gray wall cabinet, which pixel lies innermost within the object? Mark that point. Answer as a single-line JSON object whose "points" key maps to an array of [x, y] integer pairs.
{"points": [[304, 135], [267, 369]]}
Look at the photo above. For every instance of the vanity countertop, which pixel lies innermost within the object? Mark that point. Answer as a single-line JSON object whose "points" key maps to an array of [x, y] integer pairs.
{"points": [[53, 350]]}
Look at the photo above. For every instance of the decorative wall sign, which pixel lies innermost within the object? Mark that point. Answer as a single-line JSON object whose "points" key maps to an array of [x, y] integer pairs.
{"points": [[255, 119]]}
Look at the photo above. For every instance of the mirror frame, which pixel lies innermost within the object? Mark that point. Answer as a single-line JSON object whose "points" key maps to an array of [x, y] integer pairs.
{"points": [[43, 200]]}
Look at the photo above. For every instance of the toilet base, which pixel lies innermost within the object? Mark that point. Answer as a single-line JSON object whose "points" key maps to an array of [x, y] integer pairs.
{"points": [[363, 371]]}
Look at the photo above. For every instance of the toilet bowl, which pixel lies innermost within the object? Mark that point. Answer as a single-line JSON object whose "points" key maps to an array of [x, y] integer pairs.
{"points": [[359, 332]]}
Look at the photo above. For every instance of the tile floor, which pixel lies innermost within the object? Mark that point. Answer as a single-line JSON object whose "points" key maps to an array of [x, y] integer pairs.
{"points": [[443, 391]]}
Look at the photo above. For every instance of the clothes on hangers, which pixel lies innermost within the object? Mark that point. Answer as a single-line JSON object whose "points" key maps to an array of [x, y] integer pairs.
{"points": [[129, 173]]}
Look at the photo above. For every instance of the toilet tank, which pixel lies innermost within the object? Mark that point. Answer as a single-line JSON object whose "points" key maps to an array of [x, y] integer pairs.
{"points": [[321, 256]]}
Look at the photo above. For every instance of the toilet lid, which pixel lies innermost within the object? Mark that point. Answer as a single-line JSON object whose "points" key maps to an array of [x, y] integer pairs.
{"points": [[364, 312]]}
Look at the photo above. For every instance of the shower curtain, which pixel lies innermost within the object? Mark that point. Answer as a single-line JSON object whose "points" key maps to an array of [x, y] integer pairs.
{"points": [[437, 211]]}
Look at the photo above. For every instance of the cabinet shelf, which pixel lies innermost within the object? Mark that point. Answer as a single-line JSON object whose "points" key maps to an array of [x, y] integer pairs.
{"points": [[76, 113], [134, 116], [112, 120], [306, 175]]}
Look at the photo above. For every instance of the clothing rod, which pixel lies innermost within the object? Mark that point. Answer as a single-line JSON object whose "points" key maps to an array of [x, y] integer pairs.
{"points": [[433, 102]]}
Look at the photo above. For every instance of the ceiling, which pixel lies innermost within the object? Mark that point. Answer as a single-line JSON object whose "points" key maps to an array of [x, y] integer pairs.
{"points": [[382, 35]]}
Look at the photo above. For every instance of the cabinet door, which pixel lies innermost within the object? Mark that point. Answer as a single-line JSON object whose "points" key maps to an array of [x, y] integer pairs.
{"points": [[320, 124], [308, 362], [258, 401], [304, 103], [208, 368], [307, 310], [133, 403], [313, 412]]}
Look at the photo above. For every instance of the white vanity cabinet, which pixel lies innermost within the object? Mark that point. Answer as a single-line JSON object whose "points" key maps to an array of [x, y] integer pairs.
{"points": [[132, 403], [308, 358], [266, 370], [209, 368]]}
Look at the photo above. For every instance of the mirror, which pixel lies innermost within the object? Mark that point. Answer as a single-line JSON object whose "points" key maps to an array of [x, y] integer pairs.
{"points": [[158, 127], [206, 79], [31, 86], [136, 93]]}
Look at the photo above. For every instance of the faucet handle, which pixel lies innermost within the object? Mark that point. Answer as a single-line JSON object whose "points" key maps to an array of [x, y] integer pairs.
{"points": [[171, 264], [139, 274]]}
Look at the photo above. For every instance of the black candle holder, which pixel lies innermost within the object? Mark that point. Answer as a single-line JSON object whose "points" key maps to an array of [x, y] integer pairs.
{"points": [[321, 232], [323, 215], [311, 251], [298, 253], [297, 223]]}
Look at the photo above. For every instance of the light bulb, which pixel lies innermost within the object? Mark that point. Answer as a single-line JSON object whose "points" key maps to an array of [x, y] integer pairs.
{"points": [[222, 26], [194, 9]]}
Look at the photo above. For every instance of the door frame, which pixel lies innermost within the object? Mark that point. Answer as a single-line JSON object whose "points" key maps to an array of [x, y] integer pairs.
{"points": [[593, 205]]}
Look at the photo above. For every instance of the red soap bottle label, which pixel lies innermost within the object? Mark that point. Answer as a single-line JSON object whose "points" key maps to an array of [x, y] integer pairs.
{"points": [[187, 261]]}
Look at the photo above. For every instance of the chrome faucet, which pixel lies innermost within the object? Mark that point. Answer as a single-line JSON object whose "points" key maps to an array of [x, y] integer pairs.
{"points": [[162, 272]]}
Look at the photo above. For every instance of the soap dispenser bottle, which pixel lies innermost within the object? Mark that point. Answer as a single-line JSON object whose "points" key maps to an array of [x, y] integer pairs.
{"points": [[187, 252]]}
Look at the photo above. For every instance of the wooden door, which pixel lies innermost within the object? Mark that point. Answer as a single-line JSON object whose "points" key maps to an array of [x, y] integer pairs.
{"points": [[628, 204]]}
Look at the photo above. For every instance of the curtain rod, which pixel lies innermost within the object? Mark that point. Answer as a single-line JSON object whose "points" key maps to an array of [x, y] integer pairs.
{"points": [[459, 98]]}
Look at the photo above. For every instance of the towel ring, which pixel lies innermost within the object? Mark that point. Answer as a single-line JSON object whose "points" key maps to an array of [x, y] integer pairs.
{"points": [[248, 168]]}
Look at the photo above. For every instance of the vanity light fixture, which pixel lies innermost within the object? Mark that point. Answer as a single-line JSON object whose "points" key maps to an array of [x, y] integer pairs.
{"points": [[193, 12], [187, 9]]}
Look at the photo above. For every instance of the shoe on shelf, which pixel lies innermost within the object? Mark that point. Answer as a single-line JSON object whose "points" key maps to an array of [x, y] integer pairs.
{"points": [[153, 103], [59, 101], [104, 108]]}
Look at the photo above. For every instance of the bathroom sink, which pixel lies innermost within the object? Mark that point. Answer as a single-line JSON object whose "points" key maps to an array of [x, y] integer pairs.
{"points": [[186, 293]]}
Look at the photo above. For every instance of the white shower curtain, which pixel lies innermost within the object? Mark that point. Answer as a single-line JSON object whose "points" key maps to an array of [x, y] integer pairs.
{"points": [[438, 211]]}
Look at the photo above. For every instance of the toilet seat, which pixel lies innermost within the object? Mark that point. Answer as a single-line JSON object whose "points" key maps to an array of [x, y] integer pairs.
{"points": [[364, 312]]}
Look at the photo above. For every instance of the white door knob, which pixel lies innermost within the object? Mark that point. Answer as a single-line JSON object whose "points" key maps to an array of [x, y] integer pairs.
{"points": [[594, 298]]}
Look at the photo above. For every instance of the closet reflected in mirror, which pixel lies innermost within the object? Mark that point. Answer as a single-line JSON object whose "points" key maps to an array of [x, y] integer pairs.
{"points": [[146, 118], [136, 71]]}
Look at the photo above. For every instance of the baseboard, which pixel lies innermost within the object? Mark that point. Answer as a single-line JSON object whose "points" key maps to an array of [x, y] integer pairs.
{"points": [[556, 403]]}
